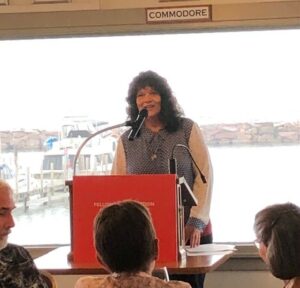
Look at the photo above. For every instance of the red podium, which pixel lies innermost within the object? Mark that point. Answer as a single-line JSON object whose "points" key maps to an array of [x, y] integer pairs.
{"points": [[158, 192]]}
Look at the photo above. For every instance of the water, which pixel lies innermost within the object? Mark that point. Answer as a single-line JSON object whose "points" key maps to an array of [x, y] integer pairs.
{"points": [[246, 179], [42, 225]]}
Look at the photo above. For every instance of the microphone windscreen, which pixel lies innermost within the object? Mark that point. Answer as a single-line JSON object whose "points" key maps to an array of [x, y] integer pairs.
{"points": [[144, 113]]}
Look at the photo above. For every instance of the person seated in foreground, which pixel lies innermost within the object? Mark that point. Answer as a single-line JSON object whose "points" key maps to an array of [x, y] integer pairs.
{"points": [[17, 269], [126, 244], [277, 229]]}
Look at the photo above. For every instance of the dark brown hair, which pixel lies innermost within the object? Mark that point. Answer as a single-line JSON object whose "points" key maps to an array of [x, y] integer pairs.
{"points": [[124, 237], [278, 228]]}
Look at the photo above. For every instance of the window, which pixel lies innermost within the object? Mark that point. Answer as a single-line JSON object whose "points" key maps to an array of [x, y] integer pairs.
{"points": [[241, 87]]}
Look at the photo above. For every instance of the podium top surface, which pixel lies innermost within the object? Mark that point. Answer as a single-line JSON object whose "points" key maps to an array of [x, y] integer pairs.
{"points": [[56, 262]]}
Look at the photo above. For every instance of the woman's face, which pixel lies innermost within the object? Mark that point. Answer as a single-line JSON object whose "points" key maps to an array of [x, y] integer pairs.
{"points": [[149, 99]]}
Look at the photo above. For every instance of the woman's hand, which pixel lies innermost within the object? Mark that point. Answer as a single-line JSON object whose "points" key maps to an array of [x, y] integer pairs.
{"points": [[193, 234]]}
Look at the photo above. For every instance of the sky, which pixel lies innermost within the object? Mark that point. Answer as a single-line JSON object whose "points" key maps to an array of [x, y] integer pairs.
{"points": [[216, 77]]}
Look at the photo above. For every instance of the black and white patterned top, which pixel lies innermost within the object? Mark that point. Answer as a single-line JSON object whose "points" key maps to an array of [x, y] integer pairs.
{"points": [[150, 152], [17, 269]]}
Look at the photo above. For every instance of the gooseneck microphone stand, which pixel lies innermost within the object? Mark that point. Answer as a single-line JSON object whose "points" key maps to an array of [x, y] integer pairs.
{"points": [[69, 183], [127, 123]]}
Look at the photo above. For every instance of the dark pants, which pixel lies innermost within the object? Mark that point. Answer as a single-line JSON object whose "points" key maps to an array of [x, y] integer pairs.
{"points": [[195, 280]]}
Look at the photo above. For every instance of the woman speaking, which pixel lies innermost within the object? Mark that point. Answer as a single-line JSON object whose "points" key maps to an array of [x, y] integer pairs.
{"points": [[166, 134]]}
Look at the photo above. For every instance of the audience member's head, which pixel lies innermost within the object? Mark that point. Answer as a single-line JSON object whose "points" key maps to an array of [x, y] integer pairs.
{"points": [[277, 229], [17, 266], [125, 238], [6, 206]]}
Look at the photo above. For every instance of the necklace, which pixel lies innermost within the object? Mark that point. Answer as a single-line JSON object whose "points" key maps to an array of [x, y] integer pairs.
{"points": [[154, 155], [130, 274], [156, 142]]}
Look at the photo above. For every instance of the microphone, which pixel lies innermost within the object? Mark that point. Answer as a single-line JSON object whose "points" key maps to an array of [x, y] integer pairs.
{"points": [[173, 163], [137, 124]]}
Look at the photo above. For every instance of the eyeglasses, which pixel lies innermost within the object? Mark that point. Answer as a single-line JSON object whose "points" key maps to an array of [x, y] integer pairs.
{"points": [[257, 243]]}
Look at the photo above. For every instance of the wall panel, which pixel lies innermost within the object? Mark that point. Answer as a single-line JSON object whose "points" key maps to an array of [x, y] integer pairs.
{"points": [[92, 17]]}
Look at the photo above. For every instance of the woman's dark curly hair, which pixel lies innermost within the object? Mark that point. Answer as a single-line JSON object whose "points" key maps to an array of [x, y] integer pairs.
{"points": [[278, 227], [171, 112]]}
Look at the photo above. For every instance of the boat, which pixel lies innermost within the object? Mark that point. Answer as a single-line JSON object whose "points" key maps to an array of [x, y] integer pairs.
{"points": [[25, 187], [95, 158]]}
